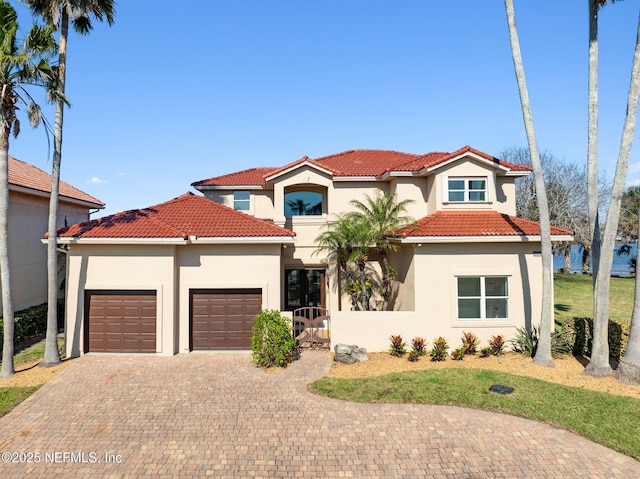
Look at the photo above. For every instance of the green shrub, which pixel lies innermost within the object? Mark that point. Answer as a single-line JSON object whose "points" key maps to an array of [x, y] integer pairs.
{"points": [[496, 344], [439, 351], [526, 342], [414, 356], [31, 322], [272, 343], [458, 354], [418, 345], [470, 343], [485, 352], [398, 347], [577, 333]]}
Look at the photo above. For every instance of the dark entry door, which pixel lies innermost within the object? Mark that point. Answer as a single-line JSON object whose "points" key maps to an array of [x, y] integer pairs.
{"points": [[304, 287]]}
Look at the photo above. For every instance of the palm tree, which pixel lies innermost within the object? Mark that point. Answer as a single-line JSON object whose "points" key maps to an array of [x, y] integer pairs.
{"points": [[58, 13], [629, 367], [19, 67], [630, 364], [543, 353], [385, 217], [348, 240]]}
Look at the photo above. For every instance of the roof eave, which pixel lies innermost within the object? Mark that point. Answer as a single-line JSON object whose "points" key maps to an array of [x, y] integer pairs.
{"points": [[119, 241], [228, 187], [479, 239], [47, 194], [482, 159], [243, 240], [297, 166]]}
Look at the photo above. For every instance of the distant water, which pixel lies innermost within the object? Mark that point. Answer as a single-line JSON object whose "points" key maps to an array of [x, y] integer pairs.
{"points": [[620, 262]]}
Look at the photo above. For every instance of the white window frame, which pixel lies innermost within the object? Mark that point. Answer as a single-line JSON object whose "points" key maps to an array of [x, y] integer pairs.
{"points": [[467, 188], [242, 201], [483, 298]]}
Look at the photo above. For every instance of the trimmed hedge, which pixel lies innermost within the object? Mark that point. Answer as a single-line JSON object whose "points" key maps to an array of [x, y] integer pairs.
{"points": [[578, 334], [32, 322]]}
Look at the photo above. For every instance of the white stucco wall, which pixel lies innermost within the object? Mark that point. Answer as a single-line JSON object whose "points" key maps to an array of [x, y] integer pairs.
{"points": [[171, 271], [28, 223], [226, 266], [435, 269], [120, 267]]}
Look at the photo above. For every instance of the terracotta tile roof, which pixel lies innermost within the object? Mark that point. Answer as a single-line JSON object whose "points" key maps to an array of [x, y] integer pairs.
{"points": [[250, 177], [28, 176], [354, 163], [475, 223], [187, 215]]}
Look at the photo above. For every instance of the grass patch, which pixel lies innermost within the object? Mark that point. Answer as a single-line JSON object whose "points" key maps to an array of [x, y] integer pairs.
{"points": [[11, 397], [574, 297], [594, 415]]}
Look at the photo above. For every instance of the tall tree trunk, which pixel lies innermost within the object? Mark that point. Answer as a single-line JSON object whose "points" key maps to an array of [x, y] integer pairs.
{"points": [[51, 353], [567, 259], [586, 260], [592, 142], [629, 367], [599, 364], [543, 354], [5, 274]]}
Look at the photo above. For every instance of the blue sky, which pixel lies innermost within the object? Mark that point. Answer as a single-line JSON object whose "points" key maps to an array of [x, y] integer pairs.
{"points": [[169, 96]]}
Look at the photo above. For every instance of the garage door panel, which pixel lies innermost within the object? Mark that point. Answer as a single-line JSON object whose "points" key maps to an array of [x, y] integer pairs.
{"points": [[121, 321], [223, 319]]}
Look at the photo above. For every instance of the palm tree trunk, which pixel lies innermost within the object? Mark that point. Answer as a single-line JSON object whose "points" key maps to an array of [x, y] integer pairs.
{"points": [[592, 141], [386, 279], [51, 353], [629, 367], [599, 364], [364, 300], [543, 353], [5, 274]]}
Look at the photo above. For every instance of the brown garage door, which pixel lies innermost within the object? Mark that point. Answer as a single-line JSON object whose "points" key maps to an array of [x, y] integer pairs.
{"points": [[120, 321], [222, 319]]}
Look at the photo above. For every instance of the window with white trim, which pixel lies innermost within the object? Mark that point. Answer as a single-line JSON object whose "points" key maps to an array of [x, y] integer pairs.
{"points": [[483, 297], [467, 190], [242, 200]]}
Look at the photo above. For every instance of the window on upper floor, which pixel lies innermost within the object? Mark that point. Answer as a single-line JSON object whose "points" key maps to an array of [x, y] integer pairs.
{"points": [[483, 297], [303, 203], [242, 200], [468, 190]]}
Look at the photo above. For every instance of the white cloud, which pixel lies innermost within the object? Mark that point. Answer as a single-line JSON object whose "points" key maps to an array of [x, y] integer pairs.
{"points": [[96, 181], [122, 173]]}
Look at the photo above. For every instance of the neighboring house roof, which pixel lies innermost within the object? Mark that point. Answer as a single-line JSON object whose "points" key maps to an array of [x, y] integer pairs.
{"points": [[355, 164], [477, 224], [25, 176], [186, 217]]}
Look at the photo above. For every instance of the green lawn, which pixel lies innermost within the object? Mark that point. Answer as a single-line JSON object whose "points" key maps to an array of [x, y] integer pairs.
{"points": [[573, 294]]}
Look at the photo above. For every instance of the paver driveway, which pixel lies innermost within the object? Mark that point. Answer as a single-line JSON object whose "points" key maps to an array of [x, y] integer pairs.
{"points": [[216, 415]]}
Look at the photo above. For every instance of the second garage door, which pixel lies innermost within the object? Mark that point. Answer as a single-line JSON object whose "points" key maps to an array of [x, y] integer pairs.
{"points": [[222, 319]]}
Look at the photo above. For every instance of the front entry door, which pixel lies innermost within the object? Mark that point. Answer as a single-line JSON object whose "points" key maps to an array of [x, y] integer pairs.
{"points": [[304, 287]]}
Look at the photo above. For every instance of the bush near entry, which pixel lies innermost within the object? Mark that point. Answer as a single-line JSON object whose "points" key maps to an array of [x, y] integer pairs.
{"points": [[272, 342]]}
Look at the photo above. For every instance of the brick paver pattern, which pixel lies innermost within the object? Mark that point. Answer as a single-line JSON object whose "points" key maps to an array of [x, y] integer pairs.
{"points": [[217, 415]]}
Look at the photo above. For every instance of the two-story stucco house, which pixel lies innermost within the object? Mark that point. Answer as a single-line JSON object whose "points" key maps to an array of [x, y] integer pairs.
{"points": [[29, 193], [189, 274]]}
